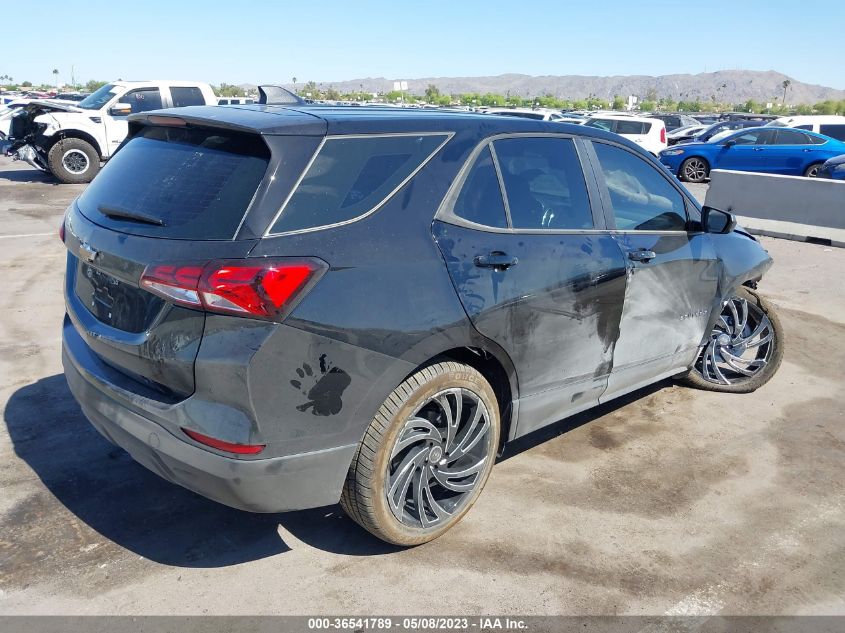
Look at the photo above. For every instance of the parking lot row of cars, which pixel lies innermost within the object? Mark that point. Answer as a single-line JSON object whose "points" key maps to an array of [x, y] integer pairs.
{"points": [[810, 146], [71, 135]]}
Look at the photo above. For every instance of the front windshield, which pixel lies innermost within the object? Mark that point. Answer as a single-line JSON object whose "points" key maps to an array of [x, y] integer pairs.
{"points": [[99, 97]]}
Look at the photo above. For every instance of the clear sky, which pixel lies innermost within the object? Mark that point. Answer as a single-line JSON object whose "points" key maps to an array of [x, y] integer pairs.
{"points": [[239, 41]]}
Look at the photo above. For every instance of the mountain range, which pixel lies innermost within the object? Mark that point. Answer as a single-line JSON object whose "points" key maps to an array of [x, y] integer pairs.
{"points": [[726, 86]]}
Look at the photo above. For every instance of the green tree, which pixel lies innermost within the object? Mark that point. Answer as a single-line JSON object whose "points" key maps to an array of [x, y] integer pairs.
{"points": [[56, 76], [393, 96], [785, 85], [826, 107], [648, 105], [93, 85], [309, 90], [228, 90], [27, 84], [432, 93], [618, 103], [752, 106]]}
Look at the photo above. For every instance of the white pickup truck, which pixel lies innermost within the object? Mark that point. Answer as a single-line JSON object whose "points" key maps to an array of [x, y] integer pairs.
{"points": [[71, 140]]}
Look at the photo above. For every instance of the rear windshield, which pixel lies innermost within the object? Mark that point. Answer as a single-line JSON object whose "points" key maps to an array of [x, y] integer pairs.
{"points": [[183, 183], [352, 176]]}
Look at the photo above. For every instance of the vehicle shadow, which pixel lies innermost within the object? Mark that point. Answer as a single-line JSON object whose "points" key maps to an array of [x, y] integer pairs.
{"points": [[571, 423], [163, 522], [26, 175]]}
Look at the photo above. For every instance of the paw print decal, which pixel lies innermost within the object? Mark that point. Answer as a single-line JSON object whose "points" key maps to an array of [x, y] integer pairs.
{"points": [[324, 389]]}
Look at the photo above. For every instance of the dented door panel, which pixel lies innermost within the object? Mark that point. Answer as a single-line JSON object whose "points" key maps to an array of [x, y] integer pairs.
{"points": [[555, 312], [668, 301]]}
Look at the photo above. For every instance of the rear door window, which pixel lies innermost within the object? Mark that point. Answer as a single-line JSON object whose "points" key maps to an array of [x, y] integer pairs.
{"points": [[186, 96], [188, 183], [837, 131], [352, 176], [785, 136], [632, 127], [544, 183]]}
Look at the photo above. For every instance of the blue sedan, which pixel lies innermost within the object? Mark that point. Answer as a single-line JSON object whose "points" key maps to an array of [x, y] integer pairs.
{"points": [[770, 150]]}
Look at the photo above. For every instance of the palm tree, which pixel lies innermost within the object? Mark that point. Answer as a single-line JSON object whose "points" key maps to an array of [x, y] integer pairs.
{"points": [[785, 85], [56, 76]]}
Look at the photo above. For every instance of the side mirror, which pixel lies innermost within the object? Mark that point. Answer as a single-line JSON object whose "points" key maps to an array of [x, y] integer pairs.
{"points": [[729, 143], [716, 221], [120, 109]]}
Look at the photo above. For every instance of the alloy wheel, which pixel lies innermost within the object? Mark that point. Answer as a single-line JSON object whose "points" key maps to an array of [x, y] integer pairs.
{"points": [[740, 345], [438, 457], [695, 170], [75, 161]]}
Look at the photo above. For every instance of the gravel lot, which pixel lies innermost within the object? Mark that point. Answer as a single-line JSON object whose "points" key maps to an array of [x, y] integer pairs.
{"points": [[669, 501]]}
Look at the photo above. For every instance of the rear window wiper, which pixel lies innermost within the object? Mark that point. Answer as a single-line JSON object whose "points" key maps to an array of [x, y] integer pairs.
{"points": [[125, 214]]}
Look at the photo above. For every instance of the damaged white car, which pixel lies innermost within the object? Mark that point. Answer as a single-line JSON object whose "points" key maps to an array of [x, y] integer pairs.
{"points": [[72, 140]]}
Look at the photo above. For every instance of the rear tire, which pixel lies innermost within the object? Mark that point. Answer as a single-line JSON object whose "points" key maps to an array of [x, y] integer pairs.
{"points": [[73, 161], [412, 478], [812, 171], [744, 350], [694, 169]]}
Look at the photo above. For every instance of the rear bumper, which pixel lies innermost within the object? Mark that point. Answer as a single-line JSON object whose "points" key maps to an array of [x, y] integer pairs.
{"points": [[276, 484]]}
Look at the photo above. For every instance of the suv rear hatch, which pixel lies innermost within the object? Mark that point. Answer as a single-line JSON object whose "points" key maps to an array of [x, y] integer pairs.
{"points": [[173, 193]]}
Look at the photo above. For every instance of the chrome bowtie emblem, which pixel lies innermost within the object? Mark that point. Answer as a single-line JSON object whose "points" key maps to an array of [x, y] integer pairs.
{"points": [[87, 253]]}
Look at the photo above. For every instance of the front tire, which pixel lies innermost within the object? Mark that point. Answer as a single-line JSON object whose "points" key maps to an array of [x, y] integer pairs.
{"points": [[73, 161], [745, 347], [426, 455], [694, 169]]}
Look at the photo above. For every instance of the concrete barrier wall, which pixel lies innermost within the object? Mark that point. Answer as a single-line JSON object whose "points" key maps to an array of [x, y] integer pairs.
{"points": [[808, 201]]}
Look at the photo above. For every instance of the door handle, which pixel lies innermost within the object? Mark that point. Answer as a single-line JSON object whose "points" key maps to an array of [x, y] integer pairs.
{"points": [[497, 260], [641, 255], [758, 149]]}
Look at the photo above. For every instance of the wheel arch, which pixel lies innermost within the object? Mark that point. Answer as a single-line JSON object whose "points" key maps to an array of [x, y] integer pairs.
{"points": [[82, 136], [499, 372]]}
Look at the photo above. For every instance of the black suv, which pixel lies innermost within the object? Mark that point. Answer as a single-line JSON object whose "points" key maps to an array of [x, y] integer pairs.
{"points": [[283, 307]]}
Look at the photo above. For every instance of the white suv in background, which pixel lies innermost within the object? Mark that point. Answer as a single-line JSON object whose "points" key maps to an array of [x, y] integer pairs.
{"points": [[828, 124], [540, 114], [647, 132]]}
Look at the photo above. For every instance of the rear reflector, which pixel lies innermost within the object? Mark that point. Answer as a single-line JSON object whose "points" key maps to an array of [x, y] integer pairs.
{"points": [[262, 288], [229, 447], [663, 135]]}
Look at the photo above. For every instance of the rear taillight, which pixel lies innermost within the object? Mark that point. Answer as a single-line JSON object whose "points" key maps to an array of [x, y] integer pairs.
{"points": [[663, 135], [62, 229], [262, 288], [229, 447]]}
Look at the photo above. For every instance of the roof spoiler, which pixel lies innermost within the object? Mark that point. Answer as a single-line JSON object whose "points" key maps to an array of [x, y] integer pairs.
{"points": [[276, 95]]}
